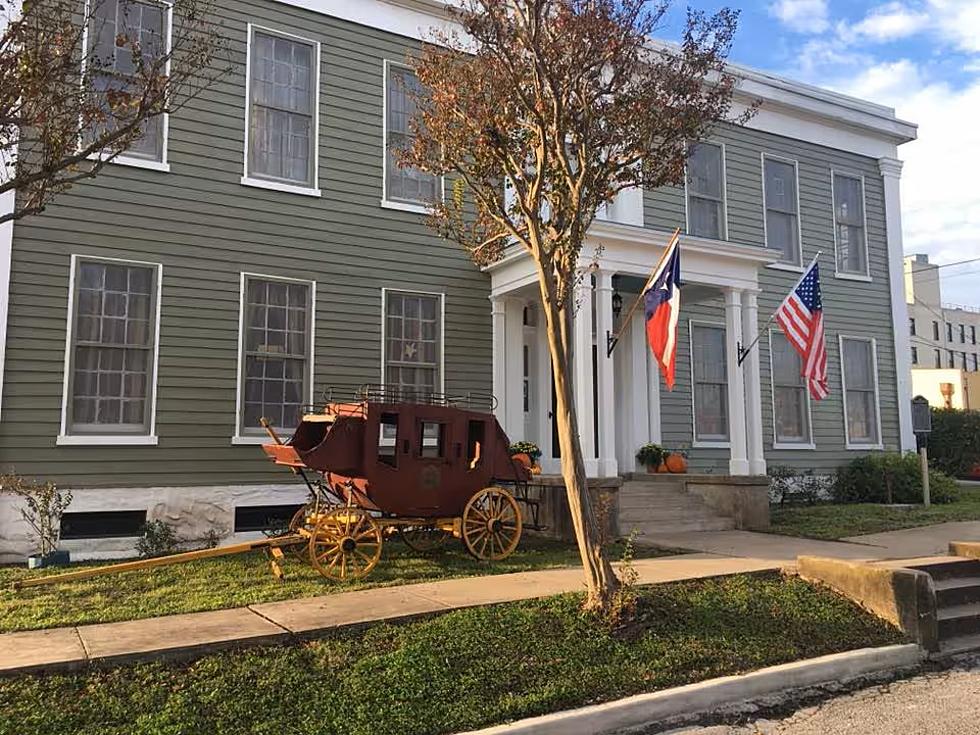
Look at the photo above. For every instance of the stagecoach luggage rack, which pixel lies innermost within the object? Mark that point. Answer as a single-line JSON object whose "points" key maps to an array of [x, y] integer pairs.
{"points": [[385, 393]]}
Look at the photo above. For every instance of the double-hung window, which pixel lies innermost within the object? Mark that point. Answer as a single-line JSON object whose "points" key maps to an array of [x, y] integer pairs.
{"points": [[413, 343], [281, 131], [128, 41], [976, 362], [112, 347], [710, 383], [859, 365], [973, 335], [912, 327], [276, 352], [935, 331], [403, 185], [915, 355], [790, 399], [962, 334], [706, 191], [949, 332], [782, 228], [939, 358], [951, 358], [849, 225]]}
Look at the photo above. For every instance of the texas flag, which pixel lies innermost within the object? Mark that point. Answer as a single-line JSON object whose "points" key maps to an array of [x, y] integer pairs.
{"points": [[662, 302]]}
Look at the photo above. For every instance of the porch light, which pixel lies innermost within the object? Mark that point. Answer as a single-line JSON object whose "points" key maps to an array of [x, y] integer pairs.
{"points": [[617, 304]]}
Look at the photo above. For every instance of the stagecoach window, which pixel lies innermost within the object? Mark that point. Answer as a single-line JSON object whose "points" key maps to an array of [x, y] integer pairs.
{"points": [[413, 344], [276, 360], [432, 439], [113, 340], [476, 435], [388, 439]]}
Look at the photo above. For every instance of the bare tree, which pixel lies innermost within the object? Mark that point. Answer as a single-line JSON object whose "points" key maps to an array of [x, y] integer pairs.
{"points": [[541, 112], [82, 81]]}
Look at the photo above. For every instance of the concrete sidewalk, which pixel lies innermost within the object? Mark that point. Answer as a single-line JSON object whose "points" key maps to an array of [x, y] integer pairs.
{"points": [[178, 636]]}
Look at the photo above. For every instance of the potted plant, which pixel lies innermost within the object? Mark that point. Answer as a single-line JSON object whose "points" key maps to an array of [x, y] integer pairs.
{"points": [[527, 453], [44, 505], [652, 456]]}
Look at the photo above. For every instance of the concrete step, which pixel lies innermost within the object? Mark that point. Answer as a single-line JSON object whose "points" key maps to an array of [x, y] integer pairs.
{"points": [[634, 504], [959, 620], [949, 567], [664, 516], [653, 530], [957, 591], [960, 644]]}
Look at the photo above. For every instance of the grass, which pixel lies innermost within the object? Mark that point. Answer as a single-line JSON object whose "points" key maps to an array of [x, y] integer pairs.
{"points": [[245, 579], [466, 669], [834, 521]]}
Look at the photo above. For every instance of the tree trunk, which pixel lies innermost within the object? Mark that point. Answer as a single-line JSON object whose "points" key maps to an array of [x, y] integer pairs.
{"points": [[600, 579]]}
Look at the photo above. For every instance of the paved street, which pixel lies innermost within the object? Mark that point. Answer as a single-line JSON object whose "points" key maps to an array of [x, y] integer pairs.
{"points": [[940, 703]]}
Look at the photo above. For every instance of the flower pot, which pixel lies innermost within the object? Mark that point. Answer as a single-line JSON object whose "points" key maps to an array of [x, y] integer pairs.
{"points": [[662, 469], [524, 459], [58, 558], [676, 463], [536, 469]]}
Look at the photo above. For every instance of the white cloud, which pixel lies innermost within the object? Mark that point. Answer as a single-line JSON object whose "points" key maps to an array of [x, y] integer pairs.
{"points": [[887, 22], [959, 21], [802, 16], [941, 207]]}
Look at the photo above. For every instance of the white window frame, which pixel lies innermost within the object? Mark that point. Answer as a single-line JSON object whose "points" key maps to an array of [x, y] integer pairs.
{"points": [[122, 159], [707, 443], [724, 193], [385, 201], [256, 181], [237, 437], [776, 444], [149, 439], [850, 445], [866, 276], [782, 265], [385, 290]]}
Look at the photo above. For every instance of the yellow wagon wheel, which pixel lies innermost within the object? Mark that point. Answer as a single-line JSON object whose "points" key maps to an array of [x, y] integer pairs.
{"points": [[492, 524], [423, 539], [345, 544], [299, 551]]}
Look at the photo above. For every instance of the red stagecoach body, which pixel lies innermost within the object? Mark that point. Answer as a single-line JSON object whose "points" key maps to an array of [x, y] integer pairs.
{"points": [[402, 458]]}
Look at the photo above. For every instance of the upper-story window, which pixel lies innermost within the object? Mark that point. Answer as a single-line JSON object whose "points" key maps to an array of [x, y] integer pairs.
{"points": [[782, 224], [973, 335], [939, 358], [706, 191], [976, 362], [962, 334], [849, 225], [949, 331], [281, 134], [915, 355], [118, 28], [403, 185], [935, 331], [951, 358], [112, 350], [912, 327]]}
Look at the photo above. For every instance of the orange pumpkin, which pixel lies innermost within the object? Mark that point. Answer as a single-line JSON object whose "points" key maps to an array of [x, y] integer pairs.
{"points": [[662, 469], [676, 463]]}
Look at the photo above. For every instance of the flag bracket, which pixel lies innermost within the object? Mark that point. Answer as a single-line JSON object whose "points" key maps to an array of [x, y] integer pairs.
{"points": [[611, 341]]}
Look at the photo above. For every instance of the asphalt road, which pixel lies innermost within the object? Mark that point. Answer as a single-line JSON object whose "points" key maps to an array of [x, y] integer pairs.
{"points": [[938, 703]]}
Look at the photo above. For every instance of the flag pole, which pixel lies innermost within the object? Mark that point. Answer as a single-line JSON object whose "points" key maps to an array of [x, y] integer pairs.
{"points": [[613, 339], [743, 352]]}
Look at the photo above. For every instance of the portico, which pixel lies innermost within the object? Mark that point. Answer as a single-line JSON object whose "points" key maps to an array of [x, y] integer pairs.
{"points": [[618, 396]]}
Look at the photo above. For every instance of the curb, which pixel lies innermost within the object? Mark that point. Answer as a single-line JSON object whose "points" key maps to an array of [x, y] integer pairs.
{"points": [[693, 699]]}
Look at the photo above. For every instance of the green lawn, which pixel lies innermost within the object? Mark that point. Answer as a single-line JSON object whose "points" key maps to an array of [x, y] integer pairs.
{"points": [[244, 579], [833, 521], [466, 669]]}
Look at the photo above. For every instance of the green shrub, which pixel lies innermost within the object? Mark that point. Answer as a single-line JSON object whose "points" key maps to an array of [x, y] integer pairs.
{"points": [[954, 445], [157, 539], [651, 455], [890, 477]]}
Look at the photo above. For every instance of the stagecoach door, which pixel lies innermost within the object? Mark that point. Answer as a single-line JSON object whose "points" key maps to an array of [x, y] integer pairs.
{"points": [[431, 440]]}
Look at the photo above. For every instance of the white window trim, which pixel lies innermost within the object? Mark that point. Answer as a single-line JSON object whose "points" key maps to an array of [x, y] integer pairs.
{"points": [[776, 444], [385, 290], [724, 192], [252, 439], [795, 267], [849, 445], [66, 439], [417, 208], [275, 184], [122, 159], [706, 443], [866, 276]]}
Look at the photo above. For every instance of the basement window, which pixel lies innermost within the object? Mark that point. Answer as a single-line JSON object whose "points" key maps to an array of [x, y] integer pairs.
{"points": [[102, 524], [264, 517]]}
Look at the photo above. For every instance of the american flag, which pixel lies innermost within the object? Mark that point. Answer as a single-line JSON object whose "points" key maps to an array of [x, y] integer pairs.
{"points": [[801, 317]]}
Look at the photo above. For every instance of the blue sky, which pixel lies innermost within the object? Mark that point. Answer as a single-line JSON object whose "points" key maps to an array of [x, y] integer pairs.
{"points": [[921, 57]]}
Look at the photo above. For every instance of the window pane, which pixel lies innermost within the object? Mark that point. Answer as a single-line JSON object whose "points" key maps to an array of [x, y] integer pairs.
{"points": [[859, 378], [281, 102], [849, 219], [704, 170], [780, 186], [710, 383], [782, 234], [704, 217], [277, 353]]}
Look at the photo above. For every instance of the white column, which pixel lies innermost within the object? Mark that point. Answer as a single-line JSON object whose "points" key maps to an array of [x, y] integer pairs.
{"points": [[583, 374], [655, 426], [514, 369], [739, 464], [608, 466], [499, 330], [891, 172], [753, 385], [639, 388]]}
